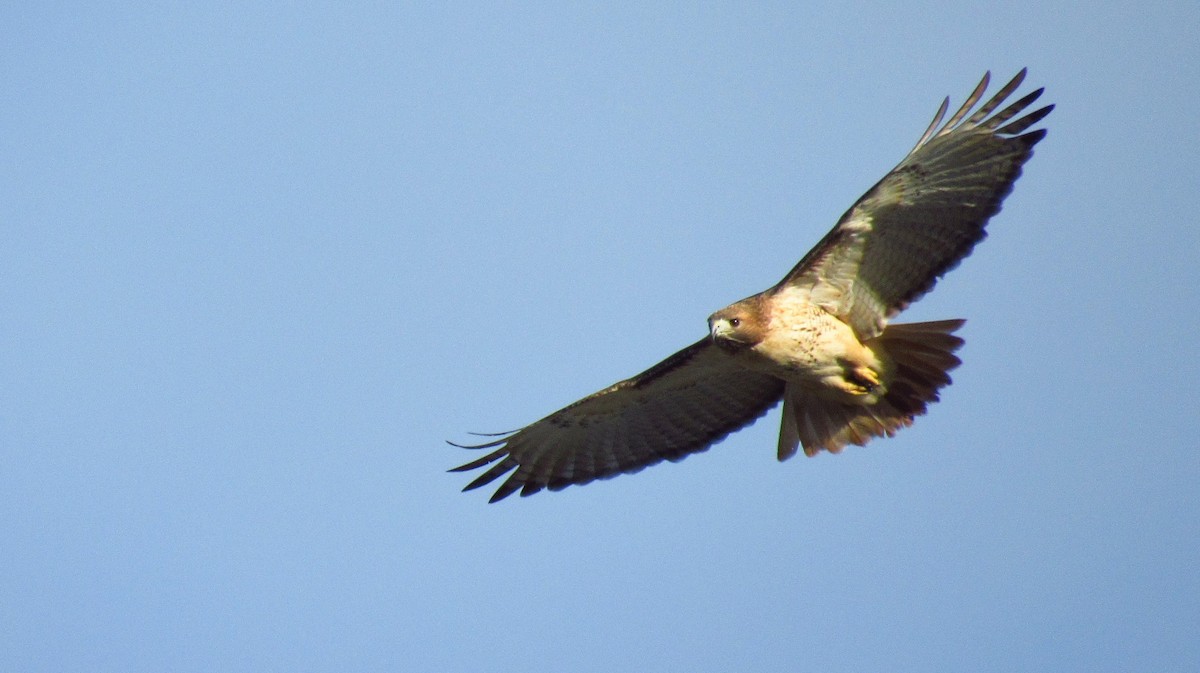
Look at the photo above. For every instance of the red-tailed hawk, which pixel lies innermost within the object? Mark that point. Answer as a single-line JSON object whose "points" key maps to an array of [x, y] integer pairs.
{"points": [[819, 339]]}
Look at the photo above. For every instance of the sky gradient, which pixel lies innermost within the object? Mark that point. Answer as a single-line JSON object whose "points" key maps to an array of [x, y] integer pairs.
{"points": [[261, 262]]}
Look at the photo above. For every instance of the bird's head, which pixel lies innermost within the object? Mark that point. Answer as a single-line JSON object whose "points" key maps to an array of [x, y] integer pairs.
{"points": [[737, 326]]}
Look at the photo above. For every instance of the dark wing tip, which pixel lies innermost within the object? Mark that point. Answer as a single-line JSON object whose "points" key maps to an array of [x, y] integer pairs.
{"points": [[473, 447], [510, 486], [480, 462], [527, 489], [1025, 122], [506, 464], [503, 439], [967, 117], [506, 433], [1033, 137], [494, 472]]}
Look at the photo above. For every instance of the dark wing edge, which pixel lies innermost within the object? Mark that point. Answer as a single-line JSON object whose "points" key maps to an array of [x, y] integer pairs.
{"points": [[682, 405], [935, 203]]}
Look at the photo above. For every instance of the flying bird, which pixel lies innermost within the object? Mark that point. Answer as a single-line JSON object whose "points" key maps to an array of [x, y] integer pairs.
{"points": [[820, 340]]}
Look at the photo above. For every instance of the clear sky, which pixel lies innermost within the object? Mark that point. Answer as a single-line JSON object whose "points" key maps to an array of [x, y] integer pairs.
{"points": [[259, 261]]}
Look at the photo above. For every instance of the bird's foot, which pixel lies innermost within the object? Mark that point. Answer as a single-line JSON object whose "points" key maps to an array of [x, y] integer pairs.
{"points": [[862, 380]]}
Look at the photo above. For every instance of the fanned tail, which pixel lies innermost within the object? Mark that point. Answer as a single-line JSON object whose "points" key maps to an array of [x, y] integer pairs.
{"points": [[922, 354]]}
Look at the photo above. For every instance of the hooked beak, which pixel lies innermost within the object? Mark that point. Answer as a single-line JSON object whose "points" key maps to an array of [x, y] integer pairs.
{"points": [[719, 329]]}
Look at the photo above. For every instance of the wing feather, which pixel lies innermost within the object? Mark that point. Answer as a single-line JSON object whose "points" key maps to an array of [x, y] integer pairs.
{"points": [[681, 406], [926, 215], [969, 103]]}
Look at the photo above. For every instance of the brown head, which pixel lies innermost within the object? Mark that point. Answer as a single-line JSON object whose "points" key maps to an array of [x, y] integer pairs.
{"points": [[740, 325]]}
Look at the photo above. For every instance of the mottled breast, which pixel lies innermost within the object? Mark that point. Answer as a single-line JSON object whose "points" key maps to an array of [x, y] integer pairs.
{"points": [[805, 343]]}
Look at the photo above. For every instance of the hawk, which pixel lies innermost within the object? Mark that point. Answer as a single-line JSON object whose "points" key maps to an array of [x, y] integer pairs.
{"points": [[819, 340]]}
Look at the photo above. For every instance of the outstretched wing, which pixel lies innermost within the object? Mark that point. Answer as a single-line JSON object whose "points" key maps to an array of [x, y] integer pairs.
{"points": [[924, 216], [680, 406]]}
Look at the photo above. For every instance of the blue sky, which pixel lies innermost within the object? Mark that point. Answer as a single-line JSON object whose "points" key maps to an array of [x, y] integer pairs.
{"points": [[261, 261]]}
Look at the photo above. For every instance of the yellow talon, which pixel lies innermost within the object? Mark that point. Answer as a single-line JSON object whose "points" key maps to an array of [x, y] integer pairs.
{"points": [[868, 376], [851, 387]]}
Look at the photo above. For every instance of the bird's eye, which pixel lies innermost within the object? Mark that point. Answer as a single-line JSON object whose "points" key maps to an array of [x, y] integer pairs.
{"points": [[735, 322]]}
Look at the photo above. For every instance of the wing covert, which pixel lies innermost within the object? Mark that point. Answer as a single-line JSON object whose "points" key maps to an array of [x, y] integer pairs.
{"points": [[681, 406]]}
